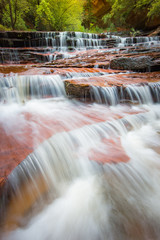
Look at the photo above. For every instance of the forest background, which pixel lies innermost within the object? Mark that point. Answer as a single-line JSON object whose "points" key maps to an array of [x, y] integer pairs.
{"points": [[79, 15]]}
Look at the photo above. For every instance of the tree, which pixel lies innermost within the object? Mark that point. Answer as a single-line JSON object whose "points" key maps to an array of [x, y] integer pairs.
{"points": [[57, 15], [44, 17], [14, 12], [133, 13], [29, 18], [67, 14], [88, 16]]}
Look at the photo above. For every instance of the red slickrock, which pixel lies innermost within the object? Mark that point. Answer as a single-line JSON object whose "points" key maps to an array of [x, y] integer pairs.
{"points": [[112, 152]]}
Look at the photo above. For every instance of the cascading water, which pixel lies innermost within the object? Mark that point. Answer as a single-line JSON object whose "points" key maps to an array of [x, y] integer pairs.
{"points": [[87, 169], [69, 187], [44, 46], [19, 88], [9, 56], [147, 94], [139, 41]]}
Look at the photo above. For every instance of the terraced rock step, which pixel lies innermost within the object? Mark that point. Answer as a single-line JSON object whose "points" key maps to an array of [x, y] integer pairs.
{"points": [[104, 88], [79, 83], [140, 59], [57, 40], [49, 139], [43, 45]]}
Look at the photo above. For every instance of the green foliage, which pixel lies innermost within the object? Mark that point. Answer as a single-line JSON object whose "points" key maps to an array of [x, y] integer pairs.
{"points": [[153, 7], [96, 29], [89, 20], [44, 19], [122, 10], [31, 14], [67, 14], [13, 13], [59, 15], [71, 15], [119, 12], [93, 29], [3, 28], [134, 33], [154, 10]]}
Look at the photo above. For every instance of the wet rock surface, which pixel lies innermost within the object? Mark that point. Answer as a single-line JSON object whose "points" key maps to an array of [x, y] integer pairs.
{"points": [[82, 88], [13, 152], [142, 63], [155, 32], [140, 59]]}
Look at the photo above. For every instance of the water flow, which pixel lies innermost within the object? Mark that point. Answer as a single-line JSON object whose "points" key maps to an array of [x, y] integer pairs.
{"points": [[63, 40], [43, 46], [138, 41], [69, 187], [147, 94], [9, 56], [110, 201], [20, 88]]}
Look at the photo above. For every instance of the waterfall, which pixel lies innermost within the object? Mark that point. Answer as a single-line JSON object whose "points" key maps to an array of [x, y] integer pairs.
{"points": [[41, 43], [108, 201], [20, 88], [147, 94], [80, 147], [139, 41], [9, 56], [108, 95]]}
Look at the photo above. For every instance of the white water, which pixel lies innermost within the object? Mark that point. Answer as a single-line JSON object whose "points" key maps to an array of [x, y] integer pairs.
{"points": [[147, 94], [20, 88], [87, 199], [139, 41], [91, 201], [16, 88], [9, 56]]}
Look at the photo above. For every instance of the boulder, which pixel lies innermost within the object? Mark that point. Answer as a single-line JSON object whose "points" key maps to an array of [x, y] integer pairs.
{"points": [[142, 63]]}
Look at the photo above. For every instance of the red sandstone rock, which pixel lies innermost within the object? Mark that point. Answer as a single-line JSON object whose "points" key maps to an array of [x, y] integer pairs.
{"points": [[80, 88], [104, 58]]}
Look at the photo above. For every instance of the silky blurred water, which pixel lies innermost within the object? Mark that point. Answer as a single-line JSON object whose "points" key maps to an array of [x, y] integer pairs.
{"points": [[83, 198]]}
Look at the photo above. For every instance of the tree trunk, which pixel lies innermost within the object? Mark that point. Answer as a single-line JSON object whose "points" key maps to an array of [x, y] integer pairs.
{"points": [[11, 14]]}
